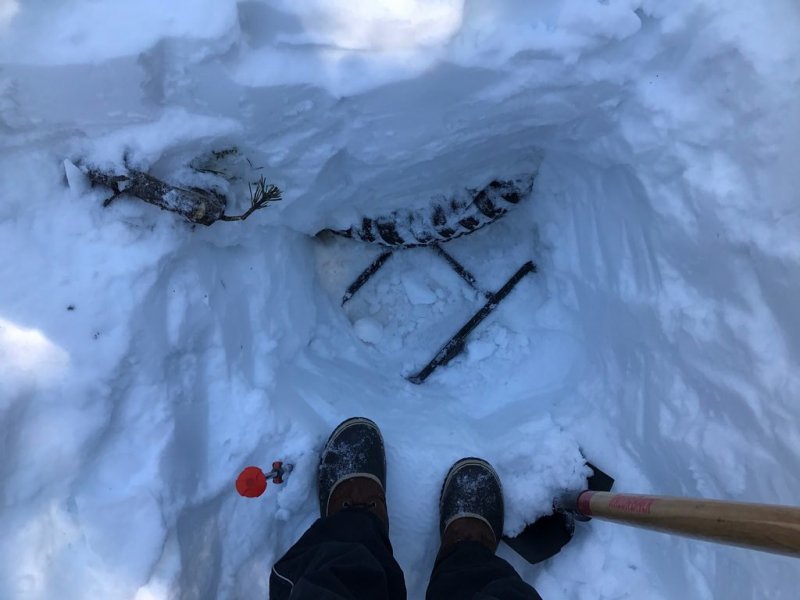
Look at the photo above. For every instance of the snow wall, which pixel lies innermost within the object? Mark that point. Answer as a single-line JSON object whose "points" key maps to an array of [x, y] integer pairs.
{"points": [[143, 362]]}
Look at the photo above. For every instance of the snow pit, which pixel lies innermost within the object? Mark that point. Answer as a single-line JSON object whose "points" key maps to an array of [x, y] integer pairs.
{"points": [[145, 362]]}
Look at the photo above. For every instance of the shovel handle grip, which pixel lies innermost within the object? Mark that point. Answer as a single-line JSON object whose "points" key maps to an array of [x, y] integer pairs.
{"points": [[758, 526]]}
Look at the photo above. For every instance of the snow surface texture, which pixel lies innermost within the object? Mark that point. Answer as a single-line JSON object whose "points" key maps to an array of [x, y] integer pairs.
{"points": [[144, 362]]}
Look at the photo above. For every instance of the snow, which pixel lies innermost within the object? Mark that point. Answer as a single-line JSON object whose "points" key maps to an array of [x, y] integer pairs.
{"points": [[368, 330], [144, 362]]}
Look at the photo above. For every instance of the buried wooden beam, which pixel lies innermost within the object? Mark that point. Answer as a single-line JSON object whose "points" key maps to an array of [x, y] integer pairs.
{"points": [[460, 270], [455, 345], [365, 275]]}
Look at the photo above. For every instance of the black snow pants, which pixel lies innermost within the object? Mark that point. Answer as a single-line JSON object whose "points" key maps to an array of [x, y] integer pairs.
{"points": [[348, 556]]}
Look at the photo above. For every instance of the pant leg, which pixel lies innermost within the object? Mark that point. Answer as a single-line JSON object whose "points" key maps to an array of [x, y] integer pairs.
{"points": [[473, 572], [344, 557]]}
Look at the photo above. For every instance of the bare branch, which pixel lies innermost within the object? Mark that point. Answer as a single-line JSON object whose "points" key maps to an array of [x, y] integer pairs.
{"points": [[260, 197]]}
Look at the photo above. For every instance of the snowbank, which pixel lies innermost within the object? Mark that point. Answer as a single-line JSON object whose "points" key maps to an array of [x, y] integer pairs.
{"points": [[144, 362]]}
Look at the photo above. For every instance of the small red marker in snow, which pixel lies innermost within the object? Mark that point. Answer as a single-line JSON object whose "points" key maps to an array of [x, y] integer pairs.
{"points": [[252, 481]]}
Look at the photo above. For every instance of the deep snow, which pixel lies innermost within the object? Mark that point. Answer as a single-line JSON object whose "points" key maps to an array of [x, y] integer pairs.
{"points": [[144, 362]]}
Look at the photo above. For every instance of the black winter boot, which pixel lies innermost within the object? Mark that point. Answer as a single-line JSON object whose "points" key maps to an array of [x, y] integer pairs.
{"points": [[352, 470], [471, 505]]}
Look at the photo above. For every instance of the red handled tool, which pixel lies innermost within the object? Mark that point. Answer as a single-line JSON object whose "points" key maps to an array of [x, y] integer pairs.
{"points": [[252, 481]]}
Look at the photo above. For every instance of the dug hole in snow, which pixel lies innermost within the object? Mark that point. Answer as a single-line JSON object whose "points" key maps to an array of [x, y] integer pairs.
{"points": [[144, 362]]}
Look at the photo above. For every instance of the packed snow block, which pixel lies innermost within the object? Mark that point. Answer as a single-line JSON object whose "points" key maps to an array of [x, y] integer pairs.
{"points": [[445, 220]]}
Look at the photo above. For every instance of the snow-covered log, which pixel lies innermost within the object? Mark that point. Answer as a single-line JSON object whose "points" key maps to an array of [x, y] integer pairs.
{"points": [[198, 205], [203, 207]]}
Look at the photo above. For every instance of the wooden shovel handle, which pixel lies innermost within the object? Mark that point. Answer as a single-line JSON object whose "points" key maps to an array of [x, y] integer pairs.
{"points": [[759, 526]]}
